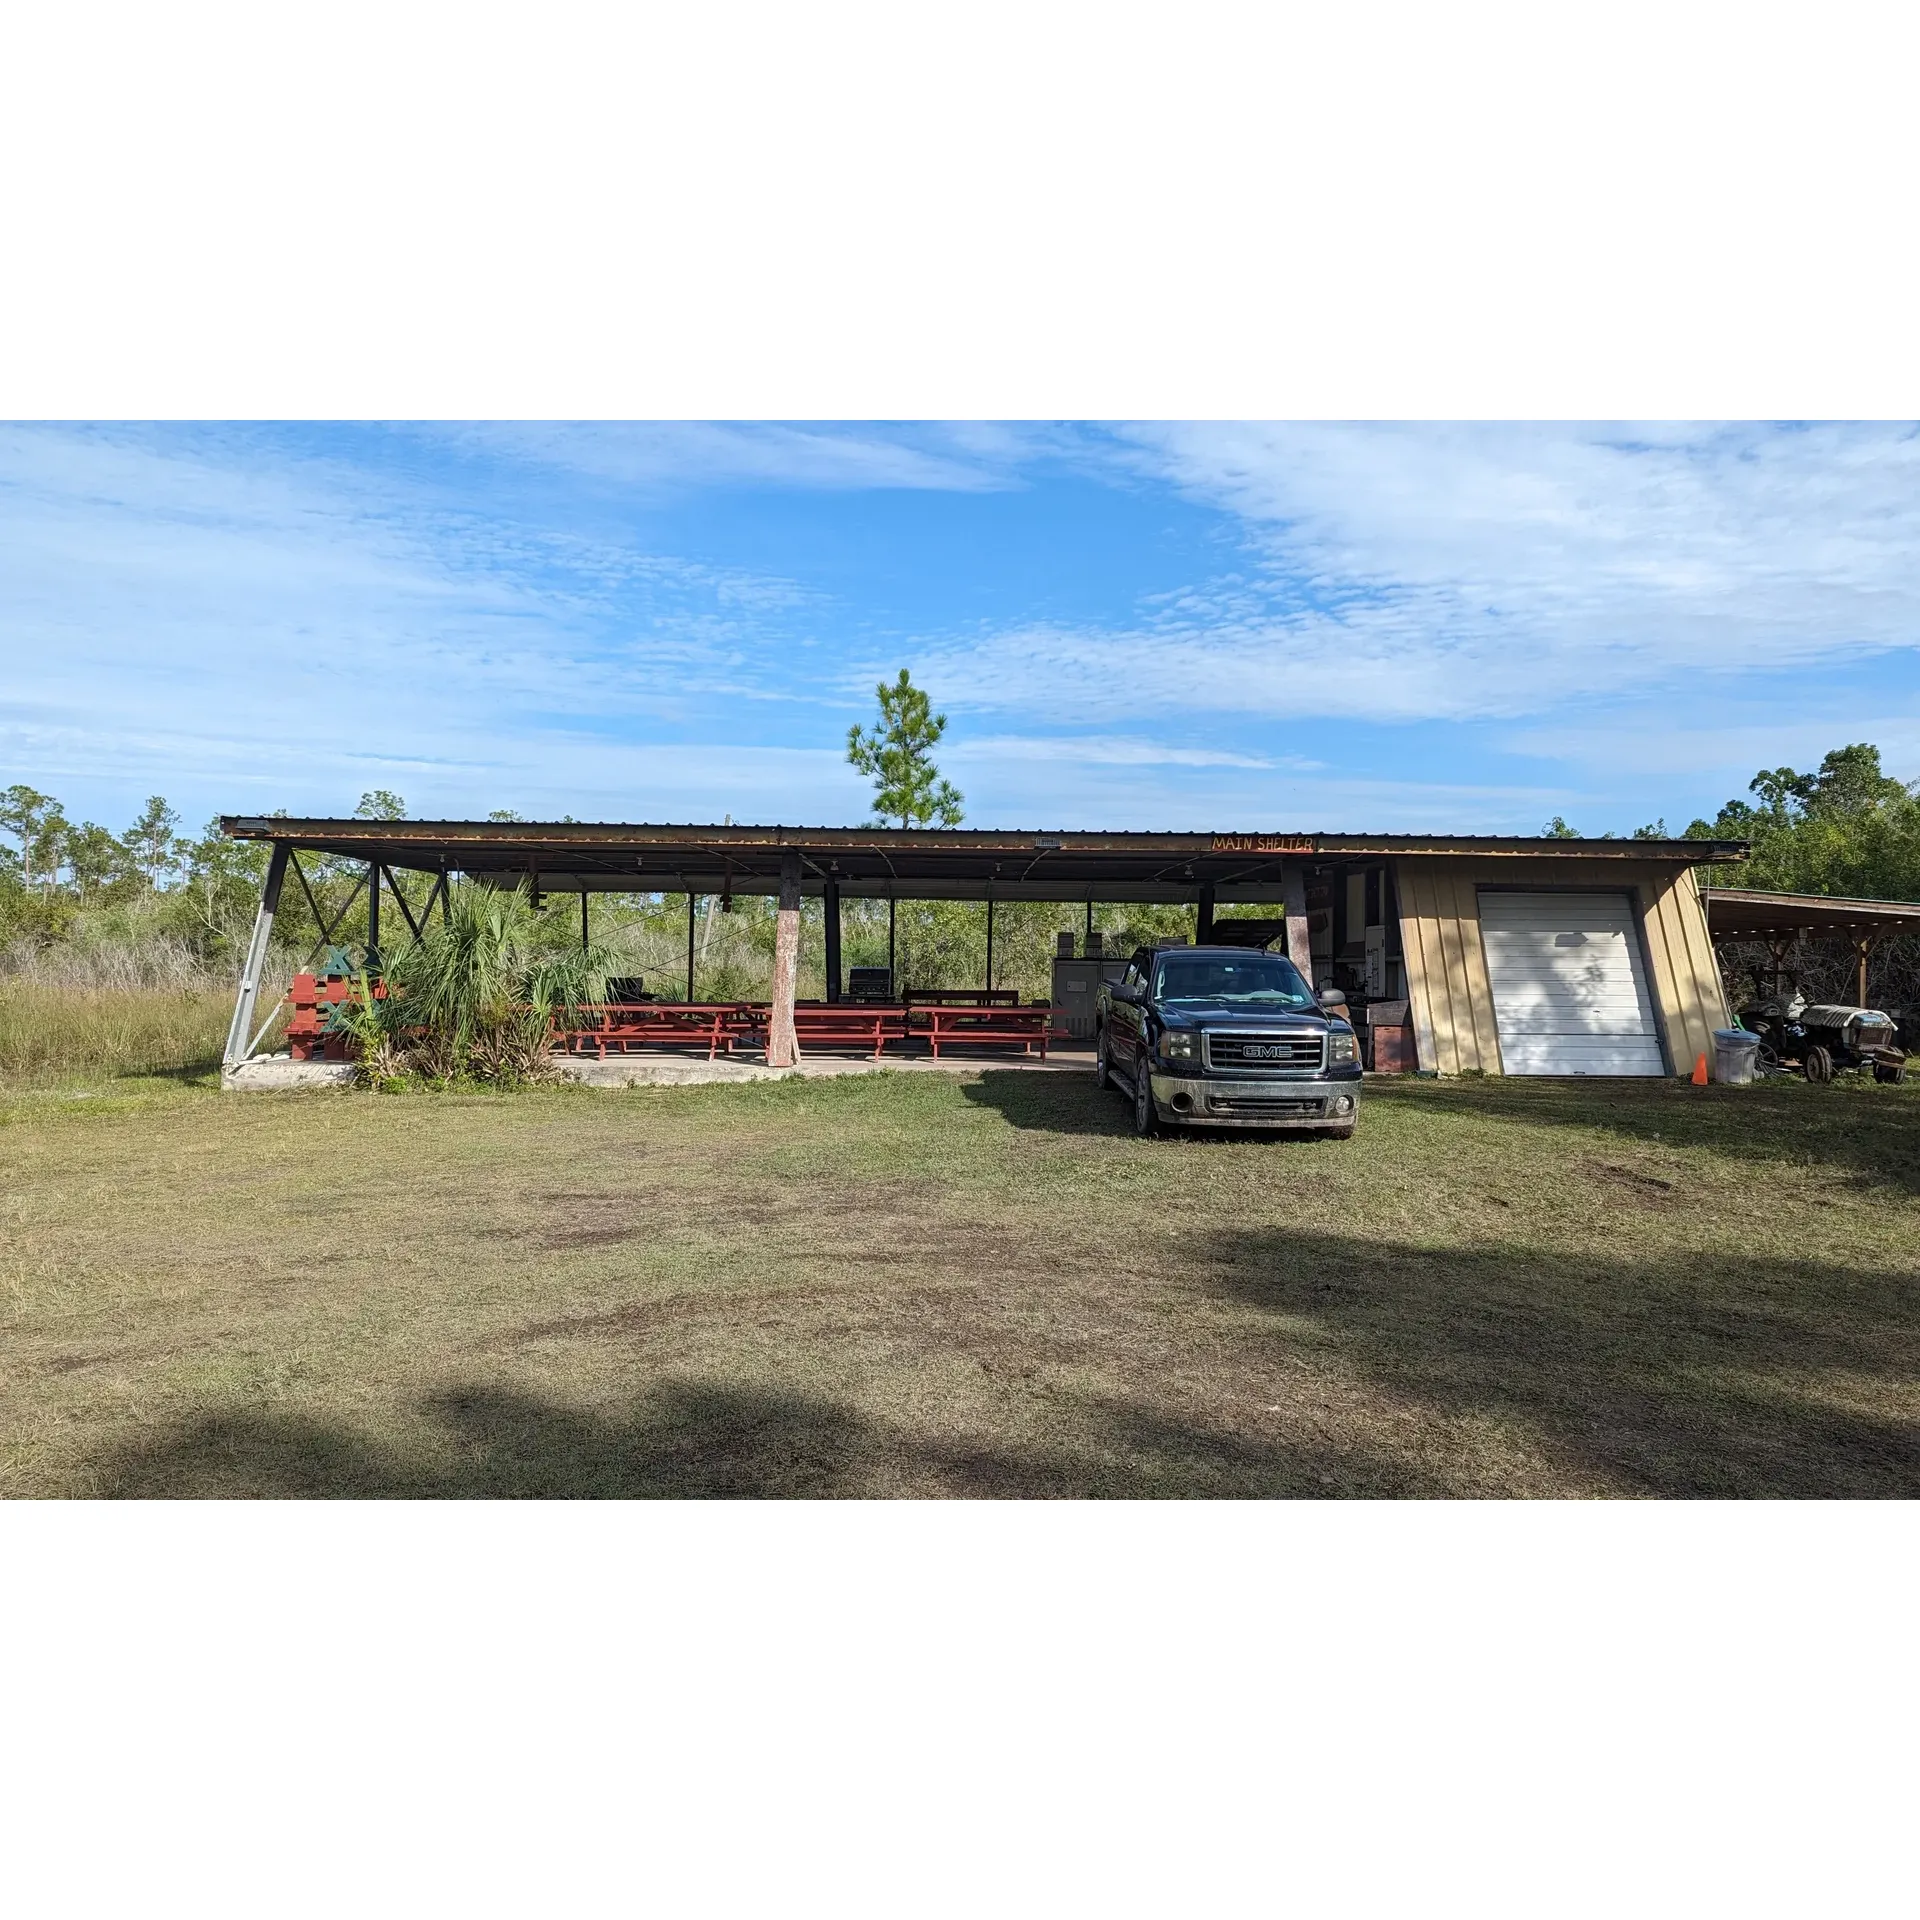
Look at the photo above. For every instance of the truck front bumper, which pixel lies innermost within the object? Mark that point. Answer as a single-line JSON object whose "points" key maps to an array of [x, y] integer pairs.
{"points": [[1214, 1101]]}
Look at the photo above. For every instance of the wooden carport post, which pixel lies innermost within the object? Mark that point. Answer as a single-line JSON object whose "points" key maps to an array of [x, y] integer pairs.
{"points": [[783, 1049], [1293, 895]]}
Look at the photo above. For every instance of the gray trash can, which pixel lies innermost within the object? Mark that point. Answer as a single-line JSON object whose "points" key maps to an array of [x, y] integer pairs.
{"points": [[1735, 1055]]}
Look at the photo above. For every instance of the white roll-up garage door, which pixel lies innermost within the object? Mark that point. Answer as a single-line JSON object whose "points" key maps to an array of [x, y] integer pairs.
{"points": [[1569, 988]]}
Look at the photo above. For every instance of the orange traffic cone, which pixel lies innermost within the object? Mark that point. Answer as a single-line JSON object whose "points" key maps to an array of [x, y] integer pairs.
{"points": [[1700, 1071]]}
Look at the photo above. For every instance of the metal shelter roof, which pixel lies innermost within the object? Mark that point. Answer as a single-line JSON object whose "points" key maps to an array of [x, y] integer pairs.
{"points": [[965, 863], [1735, 913]]}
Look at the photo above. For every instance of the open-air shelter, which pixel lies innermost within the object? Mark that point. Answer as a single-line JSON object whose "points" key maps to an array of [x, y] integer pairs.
{"points": [[1495, 954], [1781, 921]]}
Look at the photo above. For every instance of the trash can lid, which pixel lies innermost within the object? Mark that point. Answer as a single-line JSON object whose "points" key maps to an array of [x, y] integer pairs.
{"points": [[1736, 1037]]}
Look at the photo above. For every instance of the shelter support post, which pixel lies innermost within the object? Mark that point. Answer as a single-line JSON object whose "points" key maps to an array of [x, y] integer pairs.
{"points": [[693, 900], [893, 983], [783, 1048], [831, 904], [585, 938], [1293, 895], [1089, 939], [989, 943], [373, 916], [1203, 917], [239, 1045], [1863, 947]]}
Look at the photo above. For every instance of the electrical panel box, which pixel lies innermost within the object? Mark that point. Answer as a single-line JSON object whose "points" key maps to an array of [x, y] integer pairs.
{"points": [[1076, 986]]}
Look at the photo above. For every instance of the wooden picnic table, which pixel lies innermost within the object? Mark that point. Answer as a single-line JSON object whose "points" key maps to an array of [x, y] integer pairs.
{"points": [[993, 1026], [666, 1023], [818, 1024]]}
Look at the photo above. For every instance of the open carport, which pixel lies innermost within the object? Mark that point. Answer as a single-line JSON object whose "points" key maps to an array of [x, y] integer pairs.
{"points": [[1484, 954]]}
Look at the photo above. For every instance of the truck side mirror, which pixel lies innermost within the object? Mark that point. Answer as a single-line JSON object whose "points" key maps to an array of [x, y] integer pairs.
{"points": [[1332, 997]]}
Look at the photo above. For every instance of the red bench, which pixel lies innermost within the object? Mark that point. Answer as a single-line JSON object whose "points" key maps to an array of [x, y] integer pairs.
{"points": [[312, 1001]]}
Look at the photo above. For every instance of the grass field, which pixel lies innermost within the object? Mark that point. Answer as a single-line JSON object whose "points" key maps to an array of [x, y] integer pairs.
{"points": [[925, 1285]]}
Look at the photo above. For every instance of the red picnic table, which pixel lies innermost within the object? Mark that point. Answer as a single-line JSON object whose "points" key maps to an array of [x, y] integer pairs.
{"points": [[994, 1026], [818, 1024], [670, 1023]]}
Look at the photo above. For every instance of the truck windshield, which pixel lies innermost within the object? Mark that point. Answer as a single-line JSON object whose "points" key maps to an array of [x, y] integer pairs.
{"points": [[1244, 980]]}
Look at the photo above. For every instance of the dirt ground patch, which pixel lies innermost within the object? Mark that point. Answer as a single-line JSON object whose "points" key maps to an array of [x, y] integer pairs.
{"points": [[917, 1285]]}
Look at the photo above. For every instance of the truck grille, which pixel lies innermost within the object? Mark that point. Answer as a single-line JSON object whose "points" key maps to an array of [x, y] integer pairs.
{"points": [[1264, 1052], [1264, 1103]]}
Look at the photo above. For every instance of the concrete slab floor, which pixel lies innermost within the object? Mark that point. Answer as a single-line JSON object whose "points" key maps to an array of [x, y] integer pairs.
{"points": [[277, 1073]]}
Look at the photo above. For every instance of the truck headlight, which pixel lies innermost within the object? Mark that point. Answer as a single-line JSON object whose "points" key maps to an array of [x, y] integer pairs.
{"points": [[1176, 1046], [1341, 1051]]}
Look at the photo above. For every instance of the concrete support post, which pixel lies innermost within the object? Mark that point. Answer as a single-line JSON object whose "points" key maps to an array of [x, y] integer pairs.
{"points": [[1203, 917], [831, 904], [693, 900], [240, 1033], [893, 978], [783, 1049], [373, 916], [585, 941], [989, 943], [1293, 894]]}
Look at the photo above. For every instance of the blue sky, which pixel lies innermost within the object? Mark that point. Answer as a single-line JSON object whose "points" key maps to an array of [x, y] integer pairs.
{"points": [[1295, 626]]}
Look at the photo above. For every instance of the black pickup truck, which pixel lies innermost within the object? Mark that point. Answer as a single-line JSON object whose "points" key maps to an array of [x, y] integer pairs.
{"points": [[1226, 1037]]}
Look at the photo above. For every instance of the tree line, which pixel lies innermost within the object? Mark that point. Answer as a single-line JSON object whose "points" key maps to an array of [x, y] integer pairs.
{"points": [[1846, 828]]}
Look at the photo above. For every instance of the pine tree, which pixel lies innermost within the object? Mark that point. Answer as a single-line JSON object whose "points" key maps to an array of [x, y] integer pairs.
{"points": [[153, 841], [897, 754]]}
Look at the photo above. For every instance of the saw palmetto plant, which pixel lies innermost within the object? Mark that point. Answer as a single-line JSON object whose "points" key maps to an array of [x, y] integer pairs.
{"points": [[477, 995]]}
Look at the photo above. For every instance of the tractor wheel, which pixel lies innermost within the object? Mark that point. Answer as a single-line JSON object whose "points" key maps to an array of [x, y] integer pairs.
{"points": [[1890, 1073], [1765, 1061], [1819, 1066]]}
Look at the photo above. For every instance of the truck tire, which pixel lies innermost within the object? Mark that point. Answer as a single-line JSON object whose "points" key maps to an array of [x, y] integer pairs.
{"points": [[1819, 1066], [1146, 1122], [1102, 1065]]}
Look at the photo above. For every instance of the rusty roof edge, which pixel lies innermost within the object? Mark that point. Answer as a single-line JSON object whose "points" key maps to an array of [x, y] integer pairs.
{"points": [[587, 833], [1832, 903]]}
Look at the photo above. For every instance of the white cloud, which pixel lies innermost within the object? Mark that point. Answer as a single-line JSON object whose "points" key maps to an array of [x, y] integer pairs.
{"points": [[1105, 750], [1411, 572], [661, 454]]}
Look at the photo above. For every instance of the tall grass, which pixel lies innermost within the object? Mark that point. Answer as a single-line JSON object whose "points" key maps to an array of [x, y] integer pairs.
{"points": [[98, 1009], [50, 1034]]}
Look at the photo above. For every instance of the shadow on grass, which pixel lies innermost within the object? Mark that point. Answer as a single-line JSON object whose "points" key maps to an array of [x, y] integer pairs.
{"points": [[701, 1443], [1049, 1102], [1870, 1133], [1059, 1103], [1698, 1376]]}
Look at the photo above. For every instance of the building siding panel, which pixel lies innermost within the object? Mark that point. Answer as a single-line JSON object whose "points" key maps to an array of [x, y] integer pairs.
{"points": [[1451, 997]]}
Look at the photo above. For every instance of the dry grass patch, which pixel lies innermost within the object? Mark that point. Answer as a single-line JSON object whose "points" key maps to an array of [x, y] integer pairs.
{"points": [[923, 1285]]}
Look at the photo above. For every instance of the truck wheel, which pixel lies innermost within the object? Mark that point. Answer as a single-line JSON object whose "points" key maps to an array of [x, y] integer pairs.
{"points": [[1146, 1123], [1102, 1064], [1337, 1133], [1819, 1066]]}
